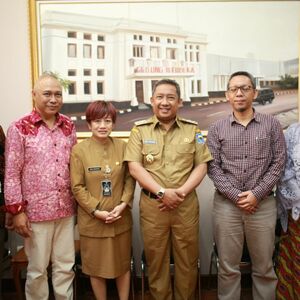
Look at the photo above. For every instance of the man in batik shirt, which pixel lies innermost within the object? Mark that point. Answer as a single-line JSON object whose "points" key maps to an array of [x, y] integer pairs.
{"points": [[37, 190]]}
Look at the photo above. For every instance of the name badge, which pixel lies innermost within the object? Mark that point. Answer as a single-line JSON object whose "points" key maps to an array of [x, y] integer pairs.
{"points": [[94, 169], [106, 188]]}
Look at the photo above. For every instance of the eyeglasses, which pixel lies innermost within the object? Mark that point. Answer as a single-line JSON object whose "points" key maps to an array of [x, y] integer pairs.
{"points": [[244, 89]]}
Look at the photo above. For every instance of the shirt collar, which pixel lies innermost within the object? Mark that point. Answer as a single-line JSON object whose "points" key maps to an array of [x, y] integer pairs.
{"points": [[36, 119], [256, 117], [156, 122]]}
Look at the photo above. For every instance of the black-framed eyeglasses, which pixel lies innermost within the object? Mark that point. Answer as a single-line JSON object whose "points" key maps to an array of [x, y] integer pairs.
{"points": [[244, 89]]}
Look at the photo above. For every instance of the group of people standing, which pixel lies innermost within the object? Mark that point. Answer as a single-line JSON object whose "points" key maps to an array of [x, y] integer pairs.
{"points": [[47, 173]]}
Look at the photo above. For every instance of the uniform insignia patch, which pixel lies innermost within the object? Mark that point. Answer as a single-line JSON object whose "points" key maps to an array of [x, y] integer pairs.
{"points": [[94, 169], [199, 138], [149, 142]]}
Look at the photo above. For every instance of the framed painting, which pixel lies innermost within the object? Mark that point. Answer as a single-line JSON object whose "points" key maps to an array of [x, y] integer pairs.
{"points": [[117, 50]]}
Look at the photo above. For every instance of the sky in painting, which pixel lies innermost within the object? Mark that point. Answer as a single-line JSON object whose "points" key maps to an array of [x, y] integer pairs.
{"points": [[262, 30]]}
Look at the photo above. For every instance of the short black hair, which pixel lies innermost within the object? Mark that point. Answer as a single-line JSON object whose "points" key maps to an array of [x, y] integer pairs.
{"points": [[167, 81], [242, 73]]}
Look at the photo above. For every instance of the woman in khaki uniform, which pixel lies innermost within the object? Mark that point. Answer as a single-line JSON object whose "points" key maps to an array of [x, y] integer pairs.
{"points": [[104, 191]]}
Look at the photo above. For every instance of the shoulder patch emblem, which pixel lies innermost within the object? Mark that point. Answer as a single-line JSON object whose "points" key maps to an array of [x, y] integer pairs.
{"points": [[199, 138], [189, 121], [142, 122]]}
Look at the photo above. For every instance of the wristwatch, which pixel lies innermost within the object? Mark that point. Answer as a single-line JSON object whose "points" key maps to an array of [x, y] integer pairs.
{"points": [[160, 194]]}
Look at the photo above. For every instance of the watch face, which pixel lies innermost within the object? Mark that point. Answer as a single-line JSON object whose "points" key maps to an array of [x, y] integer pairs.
{"points": [[160, 194]]}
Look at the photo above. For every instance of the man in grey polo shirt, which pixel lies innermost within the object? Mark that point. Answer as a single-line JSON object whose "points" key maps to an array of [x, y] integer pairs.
{"points": [[249, 156]]}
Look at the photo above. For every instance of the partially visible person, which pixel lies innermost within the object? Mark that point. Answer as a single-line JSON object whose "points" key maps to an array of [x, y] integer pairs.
{"points": [[288, 195], [104, 190], [5, 218], [3, 230], [249, 156], [2, 163], [38, 190], [167, 155]]}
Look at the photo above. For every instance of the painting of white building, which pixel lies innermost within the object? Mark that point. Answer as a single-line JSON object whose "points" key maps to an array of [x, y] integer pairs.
{"points": [[119, 59]]}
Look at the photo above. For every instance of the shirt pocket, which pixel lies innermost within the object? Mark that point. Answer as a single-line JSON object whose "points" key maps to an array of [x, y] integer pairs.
{"points": [[184, 155], [151, 156], [261, 149]]}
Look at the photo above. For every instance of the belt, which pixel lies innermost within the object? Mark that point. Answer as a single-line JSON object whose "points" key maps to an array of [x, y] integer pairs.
{"points": [[149, 194]]}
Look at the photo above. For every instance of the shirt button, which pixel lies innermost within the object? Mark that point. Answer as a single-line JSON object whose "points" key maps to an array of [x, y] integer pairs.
{"points": [[246, 156], [246, 143], [244, 171]]}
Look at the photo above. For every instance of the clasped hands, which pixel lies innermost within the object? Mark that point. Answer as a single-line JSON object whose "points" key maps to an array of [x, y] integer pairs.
{"points": [[247, 202], [112, 216], [171, 199]]}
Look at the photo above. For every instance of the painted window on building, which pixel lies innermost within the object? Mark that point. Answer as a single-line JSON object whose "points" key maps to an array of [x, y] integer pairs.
{"points": [[137, 37], [87, 72], [87, 51], [154, 39], [72, 34], [87, 36], [87, 87], [100, 52], [100, 72], [71, 72], [199, 86], [154, 52], [170, 53], [138, 51], [72, 88], [192, 86], [72, 50], [100, 87]]}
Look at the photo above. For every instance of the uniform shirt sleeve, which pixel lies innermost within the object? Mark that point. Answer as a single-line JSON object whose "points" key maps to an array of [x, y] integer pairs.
{"points": [[134, 147], [202, 152], [274, 171], [81, 194], [129, 185], [215, 171], [14, 162]]}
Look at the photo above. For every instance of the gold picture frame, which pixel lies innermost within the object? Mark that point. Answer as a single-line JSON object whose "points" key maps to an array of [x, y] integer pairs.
{"points": [[35, 38]]}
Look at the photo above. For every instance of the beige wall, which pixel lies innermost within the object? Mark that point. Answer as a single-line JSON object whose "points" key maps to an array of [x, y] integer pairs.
{"points": [[16, 101], [15, 61]]}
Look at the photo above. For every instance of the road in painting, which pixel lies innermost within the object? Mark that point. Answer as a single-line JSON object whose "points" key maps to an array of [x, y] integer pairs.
{"points": [[203, 113]]}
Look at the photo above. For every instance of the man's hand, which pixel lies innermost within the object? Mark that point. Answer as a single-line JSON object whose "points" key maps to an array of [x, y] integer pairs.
{"points": [[22, 225], [171, 200], [247, 202]]}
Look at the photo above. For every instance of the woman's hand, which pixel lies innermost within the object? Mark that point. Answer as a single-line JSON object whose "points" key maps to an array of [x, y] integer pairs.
{"points": [[115, 214], [101, 214]]}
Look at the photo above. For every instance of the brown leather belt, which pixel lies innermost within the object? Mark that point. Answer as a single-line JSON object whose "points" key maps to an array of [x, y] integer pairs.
{"points": [[149, 194]]}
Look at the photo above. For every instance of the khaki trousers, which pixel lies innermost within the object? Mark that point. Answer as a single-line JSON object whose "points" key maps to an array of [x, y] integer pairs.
{"points": [[50, 241], [231, 226], [179, 230]]}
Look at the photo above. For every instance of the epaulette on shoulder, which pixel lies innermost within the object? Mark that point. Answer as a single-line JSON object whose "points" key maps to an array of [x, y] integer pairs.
{"points": [[188, 121], [143, 122]]}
